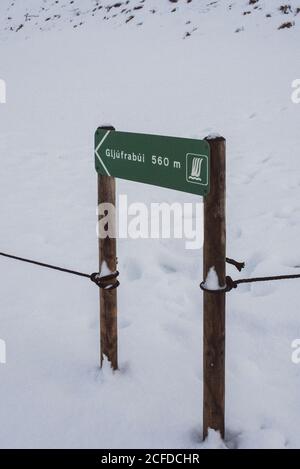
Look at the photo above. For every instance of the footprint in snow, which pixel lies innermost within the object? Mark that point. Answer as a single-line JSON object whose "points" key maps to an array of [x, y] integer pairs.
{"points": [[132, 269], [168, 268], [124, 323], [176, 330]]}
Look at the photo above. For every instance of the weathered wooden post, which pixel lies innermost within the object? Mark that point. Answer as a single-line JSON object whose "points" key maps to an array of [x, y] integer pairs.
{"points": [[175, 163], [108, 259], [214, 253]]}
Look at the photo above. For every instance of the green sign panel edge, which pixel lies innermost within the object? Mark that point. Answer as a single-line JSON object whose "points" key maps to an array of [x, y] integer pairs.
{"points": [[176, 163]]}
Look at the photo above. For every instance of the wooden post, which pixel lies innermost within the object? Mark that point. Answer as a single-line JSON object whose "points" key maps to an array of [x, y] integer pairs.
{"points": [[214, 255], [108, 298]]}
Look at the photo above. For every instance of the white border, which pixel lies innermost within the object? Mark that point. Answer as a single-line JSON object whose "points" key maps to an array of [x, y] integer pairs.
{"points": [[186, 169]]}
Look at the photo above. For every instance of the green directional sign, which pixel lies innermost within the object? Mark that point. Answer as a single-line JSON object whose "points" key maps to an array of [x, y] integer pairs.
{"points": [[177, 163]]}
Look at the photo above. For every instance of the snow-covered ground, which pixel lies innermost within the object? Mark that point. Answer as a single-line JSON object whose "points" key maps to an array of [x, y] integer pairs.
{"points": [[62, 82]]}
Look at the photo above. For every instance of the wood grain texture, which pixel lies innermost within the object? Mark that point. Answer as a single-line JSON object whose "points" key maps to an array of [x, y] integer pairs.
{"points": [[214, 253], [108, 298]]}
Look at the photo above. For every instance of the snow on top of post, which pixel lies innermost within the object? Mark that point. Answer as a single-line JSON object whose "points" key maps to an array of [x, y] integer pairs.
{"points": [[213, 135]]}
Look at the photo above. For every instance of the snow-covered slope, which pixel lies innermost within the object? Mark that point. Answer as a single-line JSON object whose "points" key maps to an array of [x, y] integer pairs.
{"points": [[188, 15], [62, 82]]}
